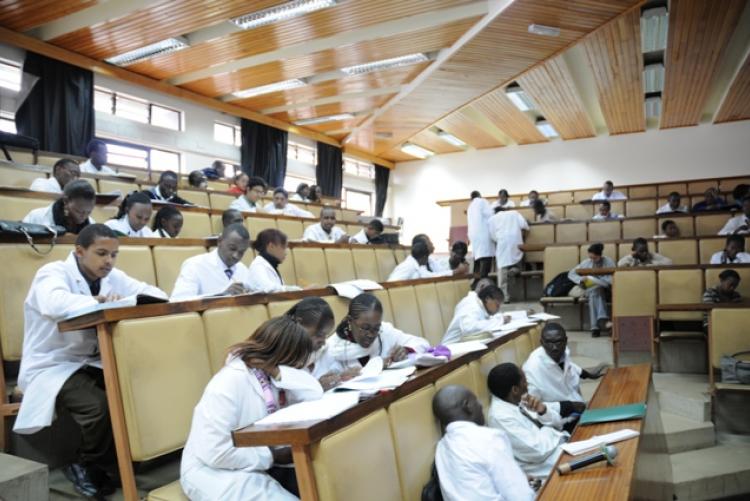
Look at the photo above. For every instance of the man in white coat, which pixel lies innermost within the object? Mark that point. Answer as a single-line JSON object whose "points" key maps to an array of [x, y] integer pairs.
{"points": [[508, 229], [281, 205], [416, 265], [740, 224], [477, 216], [534, 429], [608, 193], [326, 230], [96, 151], [219, 272], [62, 371], [477, 313], [64, 171], [249, 202]]}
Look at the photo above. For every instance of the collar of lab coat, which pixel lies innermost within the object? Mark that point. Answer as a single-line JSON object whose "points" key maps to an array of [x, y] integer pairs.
{"points": [[459, 425], [82, 286], [547, 360], [219, 263]]}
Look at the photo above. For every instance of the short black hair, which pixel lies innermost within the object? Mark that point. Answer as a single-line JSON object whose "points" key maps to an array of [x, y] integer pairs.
{"points": [[237, 228], [475, 194], [194, 178], [491, 292], [740, 191], [136, 197], [606, 204], [502, 192], [168, 173], [79, 189], [164, 214], [420, 237], [539, 207], [282, 191], [93, 145], [596, 249], [608, 182], [228, 215], [376, 225], [90, 233], [640, 241], [666, 223], [738, 239], [419, 250], [63, 162], [674, 194], [269, 236], [727, 274], [460, 247], [553, 327], [502, 378], [311, 312], [256, 181]]}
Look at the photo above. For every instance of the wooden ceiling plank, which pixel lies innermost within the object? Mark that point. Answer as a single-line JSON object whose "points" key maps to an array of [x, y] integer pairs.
{"points": [[465, 128], [736, 104], [509, 119], [24, 15], [431, 141]]}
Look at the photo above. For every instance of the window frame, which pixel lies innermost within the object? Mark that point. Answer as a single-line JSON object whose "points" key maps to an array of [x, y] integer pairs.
{"points": [[236, 133], [116, 96], [147, 149], [370, 195]]}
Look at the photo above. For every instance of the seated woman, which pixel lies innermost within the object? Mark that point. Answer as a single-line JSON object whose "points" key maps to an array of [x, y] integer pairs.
{"points": [[724, 292], [133, 217], [271, 246], [542, 214], [168, 222], [239, 184], [72, 211], [475, 314], [316, 194], [246, 389], [363, 334], [302, 193]]}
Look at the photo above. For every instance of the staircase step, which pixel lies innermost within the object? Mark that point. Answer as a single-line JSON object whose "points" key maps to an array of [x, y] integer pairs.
{"points": [[716, 472], [685, 395], [582, 344], [680, 434]]}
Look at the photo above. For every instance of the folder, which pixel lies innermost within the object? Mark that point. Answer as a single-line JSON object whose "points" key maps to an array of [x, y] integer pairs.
{"points": [[617, 413]]}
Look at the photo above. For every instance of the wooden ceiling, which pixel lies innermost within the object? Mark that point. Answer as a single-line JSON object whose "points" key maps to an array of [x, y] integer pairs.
{"points": [[476, 49]]}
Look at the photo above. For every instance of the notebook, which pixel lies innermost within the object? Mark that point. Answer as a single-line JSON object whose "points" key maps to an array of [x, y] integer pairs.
{"points": [[617, 413]]}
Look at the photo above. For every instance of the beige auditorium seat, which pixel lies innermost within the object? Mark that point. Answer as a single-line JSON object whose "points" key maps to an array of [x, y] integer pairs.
{"points": [[506, 353], [642, 191], [579, 212], [666, 189], [218, 185], [340, 265], [558, 260], [527, 213], [712, 279], [603, 231], [169, 492], [340, 478], [216, 225], [461, 376], [168, 261], [635, 208], [610, 251], [710, 246], [707, 225], [310, 266], [634, 228], [448, 298], [522, 345], [16, 208], [103, 213], [221, 201], [581, 195], [405, 310], [109, 186], [430, 313], [386, 263], [539, 234], [18, 178], [564, 197], [199, 198], [292, 228], [535, 334], [256, 224], [385, 301], [616, 207], [680, 287], [571, 232], [726, 339], [340, 307], [679, 251], [278, 308], [700, 187], [729, 184], [480, 369], [225, 327], [196, 225], [462, 286], [365, 264], [685, 224], [136, 261], [634, 294]]}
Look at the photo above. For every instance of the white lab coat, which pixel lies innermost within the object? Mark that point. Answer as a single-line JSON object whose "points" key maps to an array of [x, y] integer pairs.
{"points": [[550, 383], [721, 258], [203, 275], [122, 225], [615, 195], [506, 231], [470, 318], [43, 215], [243, 204], [47, 184], [346, 354], [509, 204], [410, 269], [536, 449], [476, 462], [321, 362], [49, 356], [88, 168], [441, 267], [264, 279], [289, 210], [316, 233], [212, 468], [665, 209], [477, 216], [613, 216], [734, 224], [359, 238]]}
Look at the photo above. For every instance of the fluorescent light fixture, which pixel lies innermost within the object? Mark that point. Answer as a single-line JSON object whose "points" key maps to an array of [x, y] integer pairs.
{"points": [[653, 107], [546, 128], [518, 97], [547, 31], [654, 24], [163, 47], [281, 12], [450, 138], [416, 151], [653, 78], [267, 89], [386, 64], [320, 120]]}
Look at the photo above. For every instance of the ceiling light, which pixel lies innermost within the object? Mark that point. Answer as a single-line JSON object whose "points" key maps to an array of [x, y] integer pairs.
{"points": [[320, 120], [386, 64], [450, 138], [163, 47], [654, 24], [546, 128], [653, 107], [518, 97], [653, 78], [547, 31], [267, 89], [281, 12], [416, 151]]}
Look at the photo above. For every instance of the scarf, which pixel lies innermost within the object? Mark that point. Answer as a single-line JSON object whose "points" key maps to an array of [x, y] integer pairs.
{"points": [[273, 262]]}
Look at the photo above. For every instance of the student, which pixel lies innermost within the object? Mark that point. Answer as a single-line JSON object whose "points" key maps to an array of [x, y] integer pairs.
{"points": [[542, 214], [62, 370], [239, 184], [738, 193], [255, 189], [477, 215], [197, 179], [168, 222], [473, 461], [508, 229], [64, 171], [533, 428], [231, 216], [362, 334], [733, 253], [554, 378], [271, 246], [72, 211], [96, 151], [459, 251], [503, 201], [416, 265], [326, 230], [216, 171], [605, 213], [316, 194], [477, 313], [261, 375], [724, 292], [532, 197], [216, 273], [640, 256], [166, 190], [302, 194], [669, 229], [133, 217], [711, 201], [281, 205], [436, 266], [608, 193], [673, 204], [739, 225], [370, 234], [597, 288]]}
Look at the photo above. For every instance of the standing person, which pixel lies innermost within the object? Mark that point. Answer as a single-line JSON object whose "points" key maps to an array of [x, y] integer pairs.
{"points": [[250, 201], [72, 211], [597, 288], [739, 225], [216, 171], [673, 204], [271, 248], [61, 371], [608, 193], [605, 213], [326, 230], [503, 201], [64, 171], [542, 214], [261, 375], [281, 205], [96, 151], [302, 194], [166, 190], [133, 217], [640, 256], [370, 234], [733, 253], [508, 229], [239, 184], [478, 215], [168, 222]]}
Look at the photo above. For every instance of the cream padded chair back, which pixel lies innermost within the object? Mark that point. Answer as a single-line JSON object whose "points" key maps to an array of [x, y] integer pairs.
{"points": [[448, 298], [225, 327], [461, 376], [365, 264], [685, 224], [291, 227], [679, 251], [405, 310], [310, 266], [710, 246], [199, 198], [196, 225], [726, 336], [634, 293], [430, 313], [16, 208], [386, 262], [136, 261], [19, 178], [220, 201], [634, 228], [570, 232], [168, 261], [523, 348], [604, 230], [558, 260], [256, 224], [340, 265], [385, 301], [680, 287]]}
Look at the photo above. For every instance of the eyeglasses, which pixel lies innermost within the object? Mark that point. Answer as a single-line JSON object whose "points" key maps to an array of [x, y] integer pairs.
{"points": [[373, 330], [259, 191]]}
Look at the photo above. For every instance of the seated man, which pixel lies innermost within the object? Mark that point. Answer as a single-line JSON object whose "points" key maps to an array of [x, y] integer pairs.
{"points": [[738, 193], [608, 193], [166, 190], [502, 200], [415, 265], [457, 257], [231, 216], [669, 229], [255, 189], [96, 151], [72, 210], [739, 225], [640, 256], [216, 171], [61, 371], [477, 313], [725, 292], [64, 171], [533, 428], [473, 461], [711, 201], [326, 230], [529, 202], [554, 378], [281, 205], [597, 288], [370, 234], [437, 266], [197, 179], [605, 213], [542, 214], [673, 204], [733, 253]]}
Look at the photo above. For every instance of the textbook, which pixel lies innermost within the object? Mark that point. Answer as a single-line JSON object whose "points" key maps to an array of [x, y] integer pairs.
{"points": [[617, 413], [354, 288], [136, 299]]}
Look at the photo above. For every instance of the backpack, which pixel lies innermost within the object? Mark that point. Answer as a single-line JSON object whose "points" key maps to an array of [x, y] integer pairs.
{"points": [[559, 286]]}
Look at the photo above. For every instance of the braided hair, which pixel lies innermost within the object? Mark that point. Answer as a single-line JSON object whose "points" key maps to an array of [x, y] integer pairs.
{"points": [[361, 304]]}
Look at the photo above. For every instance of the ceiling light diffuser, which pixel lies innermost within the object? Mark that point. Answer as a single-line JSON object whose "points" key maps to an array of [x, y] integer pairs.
{"points": [[320, 120], [288, 10], [653, 107], [653, 78], [450, 138], [547, 31], [163, 47], [416, 150], [267, 89], [386, 64], [519, 98], [546, 129], [654, 25]]}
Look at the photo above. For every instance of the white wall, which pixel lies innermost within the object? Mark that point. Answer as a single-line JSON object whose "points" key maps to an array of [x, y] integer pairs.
{"points": [[685, 153]]}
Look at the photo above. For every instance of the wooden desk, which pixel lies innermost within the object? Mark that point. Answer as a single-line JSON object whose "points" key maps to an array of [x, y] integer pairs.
{"points": [[625, 385]]}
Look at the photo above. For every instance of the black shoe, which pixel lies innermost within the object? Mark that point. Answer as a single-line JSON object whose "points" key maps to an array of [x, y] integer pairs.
{"points": [[87, 481], [595, 333]]}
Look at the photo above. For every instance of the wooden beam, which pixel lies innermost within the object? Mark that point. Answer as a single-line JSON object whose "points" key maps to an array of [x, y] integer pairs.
{"points": [[350, 150]]}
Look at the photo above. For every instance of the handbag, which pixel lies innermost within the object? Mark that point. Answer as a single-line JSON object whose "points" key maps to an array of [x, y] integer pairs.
{"points": [[735, 370], [31, 231]]}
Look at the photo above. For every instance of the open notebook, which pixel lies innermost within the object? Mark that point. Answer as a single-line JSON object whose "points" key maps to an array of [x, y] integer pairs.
{"points": [[133, 300]]}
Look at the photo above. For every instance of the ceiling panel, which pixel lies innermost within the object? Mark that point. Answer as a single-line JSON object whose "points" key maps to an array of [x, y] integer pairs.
{"points": [[431, 141], [614, 54], [396, 155], [463, 126], [736, 105], [349, 106], [23, 15], [698, 36], [551, 87], [505, 116]]}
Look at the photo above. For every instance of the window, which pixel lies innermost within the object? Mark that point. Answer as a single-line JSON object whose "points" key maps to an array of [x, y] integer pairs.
{"points": [[104, 101], [165, 117], [7, 122], [357, 200], [359, 168], [160, 160], [133, 109], [10, 76], [301, 152], [142, 157], [227, 134], [136, 109]]}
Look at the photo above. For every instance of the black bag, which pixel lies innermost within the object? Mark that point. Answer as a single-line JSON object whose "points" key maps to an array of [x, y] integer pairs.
{"points": [[431, 490], [30, 231], [559, 286]]}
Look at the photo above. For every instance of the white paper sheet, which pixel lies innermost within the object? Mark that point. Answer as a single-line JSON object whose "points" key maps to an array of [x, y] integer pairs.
{"points": [[517, 315], [543, 317], [385, 380], [354, 288], [593, 443], [312, 410], [458, 349]]}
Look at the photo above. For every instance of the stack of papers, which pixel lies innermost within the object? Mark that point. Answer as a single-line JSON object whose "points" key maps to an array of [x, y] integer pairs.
{"points": [[458, 349], [313, 410], [593, 443], [373, 378], [354, 288], [512, 326]]}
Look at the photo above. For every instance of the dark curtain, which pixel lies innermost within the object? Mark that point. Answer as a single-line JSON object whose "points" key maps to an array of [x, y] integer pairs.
{"points": [[329, 173], [263, 152], [382, 174], [59, 111]]}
